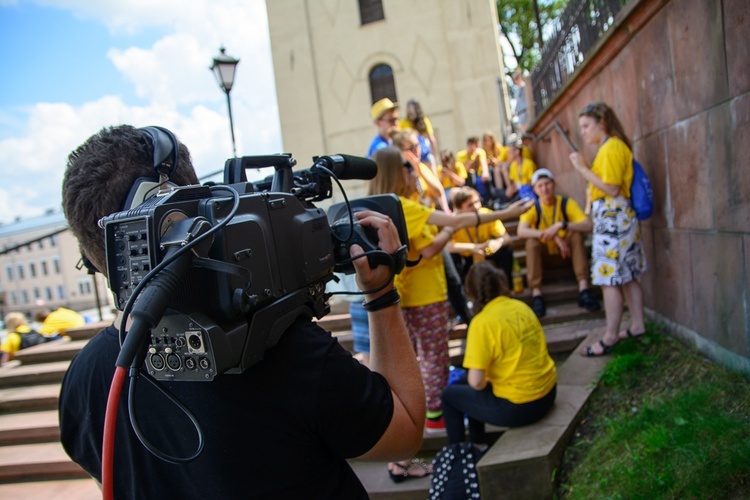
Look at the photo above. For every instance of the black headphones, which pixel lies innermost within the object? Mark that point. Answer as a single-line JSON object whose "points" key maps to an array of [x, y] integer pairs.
{"points": [[165, 146], [166, 155]]}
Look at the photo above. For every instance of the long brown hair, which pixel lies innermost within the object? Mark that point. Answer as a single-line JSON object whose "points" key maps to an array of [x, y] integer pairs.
{"points": [[603, 114], [489, 135], [485, 282], [418, 120], [390, 177]]}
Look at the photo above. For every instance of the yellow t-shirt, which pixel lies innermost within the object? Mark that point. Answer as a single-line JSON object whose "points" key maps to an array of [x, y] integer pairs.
{"points": [[614, 165], [484, 232], [500, 152], [424, 283], [12, 342], [464, 157], [61, 320], [447, 181], [522, 174], [552, 214], [506, 340], [526, 153]]}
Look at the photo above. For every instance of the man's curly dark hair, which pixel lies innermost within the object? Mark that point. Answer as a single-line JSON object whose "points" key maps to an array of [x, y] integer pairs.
{"points": [[98, 178]]}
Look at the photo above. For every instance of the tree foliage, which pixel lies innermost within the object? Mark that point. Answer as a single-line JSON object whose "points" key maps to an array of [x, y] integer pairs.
{"points": [[518, 24]]}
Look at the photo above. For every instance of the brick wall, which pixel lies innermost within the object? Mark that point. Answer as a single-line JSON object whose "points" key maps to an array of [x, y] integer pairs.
{"points": [[677, 73]]}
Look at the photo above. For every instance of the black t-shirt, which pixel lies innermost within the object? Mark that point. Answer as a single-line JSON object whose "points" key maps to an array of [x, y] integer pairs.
{"points": [[281, 429]]}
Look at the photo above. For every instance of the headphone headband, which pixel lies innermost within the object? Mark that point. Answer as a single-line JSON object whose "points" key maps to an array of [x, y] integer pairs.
{"points": [[166, 149]]}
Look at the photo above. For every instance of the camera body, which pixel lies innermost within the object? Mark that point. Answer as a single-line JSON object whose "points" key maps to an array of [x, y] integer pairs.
{"points": [[248, 282]]}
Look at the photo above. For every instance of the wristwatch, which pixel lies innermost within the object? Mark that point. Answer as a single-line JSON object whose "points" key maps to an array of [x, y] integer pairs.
{"points": [[564, 225]]}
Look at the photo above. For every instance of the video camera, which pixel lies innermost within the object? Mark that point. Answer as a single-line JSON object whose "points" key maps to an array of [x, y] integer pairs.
{"points": [[215, 274]]}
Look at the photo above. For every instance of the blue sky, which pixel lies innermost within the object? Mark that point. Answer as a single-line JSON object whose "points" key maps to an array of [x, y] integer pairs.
{"points": [[71, 67]]}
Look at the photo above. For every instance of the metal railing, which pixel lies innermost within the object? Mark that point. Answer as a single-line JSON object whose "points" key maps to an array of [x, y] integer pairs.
{"points": [[577, 30]]}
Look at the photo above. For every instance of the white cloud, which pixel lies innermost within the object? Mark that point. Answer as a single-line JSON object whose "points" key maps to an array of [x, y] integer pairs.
{"points": [[172, 78]]}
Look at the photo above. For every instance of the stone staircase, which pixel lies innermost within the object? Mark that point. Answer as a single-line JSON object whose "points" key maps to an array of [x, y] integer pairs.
{"points": [[34, 465]]}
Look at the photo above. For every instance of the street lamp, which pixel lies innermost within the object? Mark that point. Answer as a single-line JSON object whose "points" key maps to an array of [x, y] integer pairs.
{"points": [[223, 67]]}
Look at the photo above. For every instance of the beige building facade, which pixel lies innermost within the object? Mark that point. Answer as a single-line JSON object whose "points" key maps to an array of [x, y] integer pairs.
{"points": [[38, 269], [330, 57]]}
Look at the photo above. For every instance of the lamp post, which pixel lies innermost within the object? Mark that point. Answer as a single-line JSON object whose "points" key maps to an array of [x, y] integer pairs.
{"points": [[223, 67]]}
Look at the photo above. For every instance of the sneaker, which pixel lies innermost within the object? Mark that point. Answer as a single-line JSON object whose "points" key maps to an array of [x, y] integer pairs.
{"points": [[537, 304], [587, 301], [432, 425]]}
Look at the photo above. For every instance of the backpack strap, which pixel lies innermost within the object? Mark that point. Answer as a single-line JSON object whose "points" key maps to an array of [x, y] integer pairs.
{"points": [[538, 208], [563, 206]]}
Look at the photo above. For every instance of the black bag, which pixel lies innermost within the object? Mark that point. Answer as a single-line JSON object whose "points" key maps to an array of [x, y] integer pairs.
{"points": [[454, 473], [33, 338]]}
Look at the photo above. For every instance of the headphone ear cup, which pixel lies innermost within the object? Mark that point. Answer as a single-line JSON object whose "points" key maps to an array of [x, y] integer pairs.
{"points": [[166, 149], [85, 262]]}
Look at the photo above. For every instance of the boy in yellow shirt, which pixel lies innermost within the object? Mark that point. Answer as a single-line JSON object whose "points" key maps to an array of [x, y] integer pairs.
{"points": [[488, 241], [554, 236]]}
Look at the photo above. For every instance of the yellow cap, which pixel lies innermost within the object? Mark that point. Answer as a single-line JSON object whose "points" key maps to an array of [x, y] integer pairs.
{"points": [[381, 107]]}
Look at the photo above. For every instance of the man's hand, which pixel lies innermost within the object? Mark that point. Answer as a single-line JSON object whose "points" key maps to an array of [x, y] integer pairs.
{"points": [[368, 279], [517, 208], [550, 233], [563, 246], [494, 245]]}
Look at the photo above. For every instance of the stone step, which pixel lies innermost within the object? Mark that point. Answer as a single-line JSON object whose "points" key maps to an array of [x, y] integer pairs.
{"points": [[334, 322], [36, 374], [29, 427], [379, 485], [29, 398], [69, 489], [62, 350], [37, 461], [87, 331]]}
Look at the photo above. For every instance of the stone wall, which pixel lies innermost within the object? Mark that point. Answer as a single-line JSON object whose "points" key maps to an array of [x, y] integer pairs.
{"points": [[677, 73]]}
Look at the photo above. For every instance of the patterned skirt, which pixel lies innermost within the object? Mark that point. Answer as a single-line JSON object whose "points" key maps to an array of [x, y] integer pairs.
{"points": [[617, 251]]}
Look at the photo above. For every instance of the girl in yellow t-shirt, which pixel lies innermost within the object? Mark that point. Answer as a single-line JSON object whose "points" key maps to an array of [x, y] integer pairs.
{"points": [[617, 257], [511, 378], [423, 288]]}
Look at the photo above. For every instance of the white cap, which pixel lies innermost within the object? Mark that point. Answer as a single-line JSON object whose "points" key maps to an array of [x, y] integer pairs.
{"points": [[542, 172]]}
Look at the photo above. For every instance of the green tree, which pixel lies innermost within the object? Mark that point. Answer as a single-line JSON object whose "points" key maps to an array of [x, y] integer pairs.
{"points": [[520, 24]]}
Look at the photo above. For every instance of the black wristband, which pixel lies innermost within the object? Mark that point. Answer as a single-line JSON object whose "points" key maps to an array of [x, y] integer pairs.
{"points": [[564, 225], [386, 300]]}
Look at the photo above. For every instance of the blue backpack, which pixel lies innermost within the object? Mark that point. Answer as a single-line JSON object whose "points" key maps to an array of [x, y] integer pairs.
{"points": [[641, 194]]}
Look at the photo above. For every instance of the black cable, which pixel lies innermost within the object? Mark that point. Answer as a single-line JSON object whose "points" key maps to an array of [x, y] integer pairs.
{"points": [[134, 375], [346, 202]]}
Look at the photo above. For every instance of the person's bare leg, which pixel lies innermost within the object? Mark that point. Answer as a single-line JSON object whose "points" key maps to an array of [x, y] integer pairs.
{"points": [[613, 309], [634, 297]]}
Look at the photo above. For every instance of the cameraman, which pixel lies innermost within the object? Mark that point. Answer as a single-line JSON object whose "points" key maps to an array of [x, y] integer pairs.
{"points": [[283, 428]]}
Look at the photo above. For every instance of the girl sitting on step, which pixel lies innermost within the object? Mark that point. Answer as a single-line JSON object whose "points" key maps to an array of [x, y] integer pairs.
{"points": [[511, 378]]}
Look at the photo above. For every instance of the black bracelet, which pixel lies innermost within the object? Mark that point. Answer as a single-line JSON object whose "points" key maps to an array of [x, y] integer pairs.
{"points": [[386, 300]]}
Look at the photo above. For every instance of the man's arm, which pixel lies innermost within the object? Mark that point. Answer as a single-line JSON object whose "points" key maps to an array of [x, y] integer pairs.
{"points": [[584, 226], [391, 352]]}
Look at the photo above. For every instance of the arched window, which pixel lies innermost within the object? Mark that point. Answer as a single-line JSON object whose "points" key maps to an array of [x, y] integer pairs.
{"points": [[382, 83], [370, 11]]}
